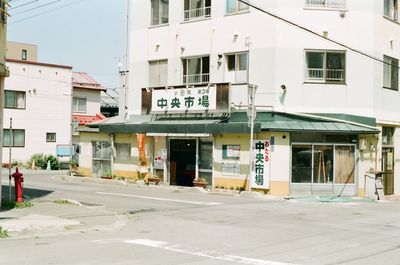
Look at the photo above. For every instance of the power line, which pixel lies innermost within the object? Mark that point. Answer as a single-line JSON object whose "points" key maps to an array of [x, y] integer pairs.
{"points": [[46, 12], [317, 34], [22, 5], [38, 7]]}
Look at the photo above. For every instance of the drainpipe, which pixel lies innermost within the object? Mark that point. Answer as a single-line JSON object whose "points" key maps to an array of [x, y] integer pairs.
{"points": [[113, 153]]}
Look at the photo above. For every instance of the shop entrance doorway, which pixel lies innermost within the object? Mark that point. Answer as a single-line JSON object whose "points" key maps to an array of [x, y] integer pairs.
{"points": [[182, 161]]}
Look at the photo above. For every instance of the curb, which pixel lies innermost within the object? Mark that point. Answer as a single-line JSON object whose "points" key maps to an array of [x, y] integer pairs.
{"points": [[175, 189]]}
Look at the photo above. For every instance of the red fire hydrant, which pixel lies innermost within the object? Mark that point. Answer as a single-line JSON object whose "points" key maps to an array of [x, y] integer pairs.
{"points": [[18, 178]]}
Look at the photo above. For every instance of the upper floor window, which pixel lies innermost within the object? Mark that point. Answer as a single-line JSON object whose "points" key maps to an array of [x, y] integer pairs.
{"points": [[50, 137], [197, 9], [17, 136], [237, 67], [196, 70], [325, 66], [158, 73], [331, 4], [14, 99], [234, 6], [159, 12], [79, 104], [391, 9], [387, 135], [390, 73], [24, 55]]}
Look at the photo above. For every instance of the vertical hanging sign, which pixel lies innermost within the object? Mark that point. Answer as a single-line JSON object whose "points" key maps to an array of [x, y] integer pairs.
{"points": [[262, 157], [142, 153]]}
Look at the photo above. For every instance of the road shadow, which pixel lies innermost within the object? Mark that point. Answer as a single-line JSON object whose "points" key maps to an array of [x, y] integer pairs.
{"points": [[28, 195]]}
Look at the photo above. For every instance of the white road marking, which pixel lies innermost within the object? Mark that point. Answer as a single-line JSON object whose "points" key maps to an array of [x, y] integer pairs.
{"points": [[159, 199], [205, 254]]}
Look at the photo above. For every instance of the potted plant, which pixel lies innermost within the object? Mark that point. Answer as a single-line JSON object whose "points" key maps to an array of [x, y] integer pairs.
{"points": [[106, 175], [153, 179], [200, 182]]}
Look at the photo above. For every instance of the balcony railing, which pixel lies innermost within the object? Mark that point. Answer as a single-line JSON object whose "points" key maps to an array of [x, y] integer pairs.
{"points": [[318, 74], [197, 13], [330, 4], [196, 79]]}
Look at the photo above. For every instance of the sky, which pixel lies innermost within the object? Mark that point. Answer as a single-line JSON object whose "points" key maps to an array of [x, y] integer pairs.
{"points": [[86, 34]]}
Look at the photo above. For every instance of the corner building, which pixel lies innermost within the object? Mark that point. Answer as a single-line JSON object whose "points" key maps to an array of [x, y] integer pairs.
{"points": [[325, 115]]}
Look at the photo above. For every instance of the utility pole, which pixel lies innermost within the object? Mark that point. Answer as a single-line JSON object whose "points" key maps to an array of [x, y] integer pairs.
{"points": [[251, 114], [126, 94], [11, 140]]}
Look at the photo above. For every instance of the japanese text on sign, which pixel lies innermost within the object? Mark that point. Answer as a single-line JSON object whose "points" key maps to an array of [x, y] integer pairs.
{"points": [[261, 164], [182, 100]]}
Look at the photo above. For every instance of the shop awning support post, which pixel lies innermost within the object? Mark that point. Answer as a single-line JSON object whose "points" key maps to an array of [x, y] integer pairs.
{"points": [[251, 114]]}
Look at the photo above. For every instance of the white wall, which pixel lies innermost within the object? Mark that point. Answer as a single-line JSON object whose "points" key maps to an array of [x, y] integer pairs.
{"points": [[92, 100], [48, 108], [276, 53]]}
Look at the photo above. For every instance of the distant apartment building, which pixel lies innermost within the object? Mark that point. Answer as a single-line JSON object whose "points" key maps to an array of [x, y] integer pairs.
{"points": [[326, 114], [37, 97], [86, 108]]}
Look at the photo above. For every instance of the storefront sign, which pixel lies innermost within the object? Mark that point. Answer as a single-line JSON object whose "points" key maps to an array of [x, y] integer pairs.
{"points": [[198, 99], [262, 156]]}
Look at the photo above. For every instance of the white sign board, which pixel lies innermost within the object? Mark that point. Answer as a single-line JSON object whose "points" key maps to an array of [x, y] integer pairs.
{"points": [[184, 100], [262, 157]]}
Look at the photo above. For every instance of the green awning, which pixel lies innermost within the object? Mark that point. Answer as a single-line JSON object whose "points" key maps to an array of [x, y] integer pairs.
{"points": [[236, 122], [317, 127]]}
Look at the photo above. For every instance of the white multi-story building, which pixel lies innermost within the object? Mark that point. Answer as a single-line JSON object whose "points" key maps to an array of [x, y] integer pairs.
{"points": [[37, 97], [326, 100]]}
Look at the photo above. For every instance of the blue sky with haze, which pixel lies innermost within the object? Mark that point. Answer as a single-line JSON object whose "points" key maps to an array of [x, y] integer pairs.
{"points": [[86, 34]]}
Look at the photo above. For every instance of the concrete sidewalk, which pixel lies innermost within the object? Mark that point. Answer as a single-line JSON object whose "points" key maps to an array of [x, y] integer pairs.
{"points": [[49, 218]]}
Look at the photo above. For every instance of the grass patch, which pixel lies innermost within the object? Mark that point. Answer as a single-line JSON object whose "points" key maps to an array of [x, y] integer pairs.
{"points": [[8, 205], [3, 233], [64, 202]]}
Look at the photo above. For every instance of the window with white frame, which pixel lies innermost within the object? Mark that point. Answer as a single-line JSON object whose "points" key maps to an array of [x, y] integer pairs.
{"points": [[325, 66], [194, 9], [235, 6], [123, 151], [158, 73], [329, 4], [14, 99], [390, 73], [237, 67], [17, 136], [391, 9], [50, 137], [79, 104], [159, 12], [196, 70]]}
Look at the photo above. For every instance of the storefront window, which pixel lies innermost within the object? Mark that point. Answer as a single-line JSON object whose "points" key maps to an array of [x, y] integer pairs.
{"points": [[301, 163], [101, 158], [323, 164], [320, 164], [206, 160]]}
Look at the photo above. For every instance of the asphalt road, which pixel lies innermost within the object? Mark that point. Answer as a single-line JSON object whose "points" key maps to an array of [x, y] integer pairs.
{"points": [[173, 226]]}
